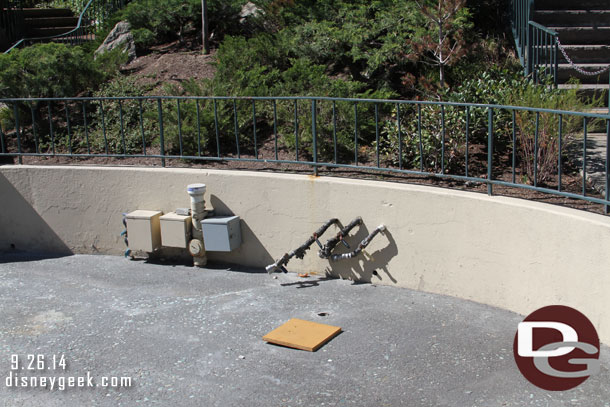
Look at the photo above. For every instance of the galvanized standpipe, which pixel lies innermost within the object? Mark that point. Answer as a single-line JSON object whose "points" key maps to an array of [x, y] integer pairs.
{"points": [[198, 213]]}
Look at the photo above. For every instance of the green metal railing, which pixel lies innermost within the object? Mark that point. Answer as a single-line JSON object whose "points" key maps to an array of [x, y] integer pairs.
{"points": [[11, 22], [542, 49], [492, 145], [92, 16], [537, 46], [522, 10]]}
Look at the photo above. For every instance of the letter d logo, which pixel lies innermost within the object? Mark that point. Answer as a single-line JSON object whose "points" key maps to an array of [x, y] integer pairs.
{"points": [[526, 338], [556, 348]]}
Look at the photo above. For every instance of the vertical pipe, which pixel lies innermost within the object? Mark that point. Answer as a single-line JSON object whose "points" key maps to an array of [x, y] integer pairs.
{"points": [[377, 133], [275, 127], [467, 137], [490, 149], [216, 130], [122, 128], [356, 133], [86, 128], [254, 128], [536, 149], [314, 136], [584, 158], [34, 129], [198, 116], [161, 136], [104, 127], [179, 127], [17, 132], [559, 148], [236, 127]]}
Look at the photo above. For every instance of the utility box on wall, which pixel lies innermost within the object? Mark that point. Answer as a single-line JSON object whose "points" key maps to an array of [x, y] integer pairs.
{"points": [[143, 230], [175, 230], [221, 233]]}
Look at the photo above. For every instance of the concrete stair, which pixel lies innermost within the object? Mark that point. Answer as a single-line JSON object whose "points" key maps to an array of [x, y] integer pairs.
{"points": [[584, 31], [41, 22]]}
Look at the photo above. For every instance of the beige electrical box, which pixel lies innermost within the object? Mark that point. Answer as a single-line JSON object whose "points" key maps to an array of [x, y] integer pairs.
{"points": [[175, 230], [143, 230]]}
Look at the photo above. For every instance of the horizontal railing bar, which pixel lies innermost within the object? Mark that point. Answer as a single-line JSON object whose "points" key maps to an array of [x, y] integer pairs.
{"points": [[317, 98], [541, 27]]}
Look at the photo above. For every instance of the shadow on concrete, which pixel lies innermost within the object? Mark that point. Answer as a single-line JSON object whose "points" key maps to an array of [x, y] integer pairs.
{"points": [[24, 233], [366, 267], [21, 256], [308, 282], [251, 253]]}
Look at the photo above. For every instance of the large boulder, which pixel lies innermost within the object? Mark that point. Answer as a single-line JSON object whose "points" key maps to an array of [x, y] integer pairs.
{"points": [[120, 36], [249, 10]]}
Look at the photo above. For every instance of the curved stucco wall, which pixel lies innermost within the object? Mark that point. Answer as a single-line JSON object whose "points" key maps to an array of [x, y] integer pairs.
{"points": [[506, 252]]}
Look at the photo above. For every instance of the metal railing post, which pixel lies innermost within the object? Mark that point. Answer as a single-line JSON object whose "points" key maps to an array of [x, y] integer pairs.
{"points": [[314, 134], [607, 191], [490, 149], [555, 62], [161, 139], [18, 132]]}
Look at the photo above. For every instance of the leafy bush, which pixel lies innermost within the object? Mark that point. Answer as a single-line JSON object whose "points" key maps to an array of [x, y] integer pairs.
{"points": [[105, 121], [541, 160], [422, 133], [47, 70]]}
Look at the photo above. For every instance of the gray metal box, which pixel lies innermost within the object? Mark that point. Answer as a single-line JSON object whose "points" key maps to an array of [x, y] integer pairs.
{"points": [[221, 233]]}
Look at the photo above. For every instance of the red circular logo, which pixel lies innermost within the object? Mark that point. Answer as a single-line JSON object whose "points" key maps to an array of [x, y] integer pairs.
{"points": [[556, 348]]}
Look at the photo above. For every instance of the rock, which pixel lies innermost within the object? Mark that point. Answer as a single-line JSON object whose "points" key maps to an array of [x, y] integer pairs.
{"points": [[249, 10], [120, 36]]}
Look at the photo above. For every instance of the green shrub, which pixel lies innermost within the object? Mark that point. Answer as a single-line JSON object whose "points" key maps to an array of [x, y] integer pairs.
{"points": [[47, 70], [105, 120], [156, 21], [429, 132], [546, 153]]}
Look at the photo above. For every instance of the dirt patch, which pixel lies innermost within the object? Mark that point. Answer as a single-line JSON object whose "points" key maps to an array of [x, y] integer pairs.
{"points": [[158, 68]]}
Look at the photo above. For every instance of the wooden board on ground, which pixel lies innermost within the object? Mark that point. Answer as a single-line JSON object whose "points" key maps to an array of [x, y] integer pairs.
{"points": [[301, 334]]}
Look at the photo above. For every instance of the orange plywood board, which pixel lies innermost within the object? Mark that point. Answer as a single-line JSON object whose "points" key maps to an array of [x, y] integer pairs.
{"points": [[301, 334]]}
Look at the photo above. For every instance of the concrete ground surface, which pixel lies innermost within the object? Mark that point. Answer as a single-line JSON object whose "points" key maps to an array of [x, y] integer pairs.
{"points": [[189, 337]]}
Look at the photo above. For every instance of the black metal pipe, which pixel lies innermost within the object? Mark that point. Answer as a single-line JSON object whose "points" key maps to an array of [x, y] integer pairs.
{"points": [[361, 246], [325, 250], [299, 252]]}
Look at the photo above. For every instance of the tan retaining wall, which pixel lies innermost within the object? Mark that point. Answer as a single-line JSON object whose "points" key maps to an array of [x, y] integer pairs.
{"points": [[505, 252]]}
